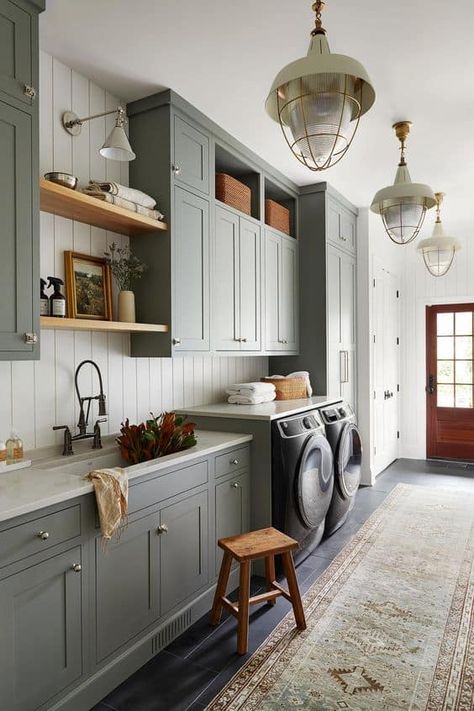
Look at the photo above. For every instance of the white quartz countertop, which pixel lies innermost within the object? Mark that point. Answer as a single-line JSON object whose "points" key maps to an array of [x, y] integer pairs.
{"points": [[44, 484], [267, 411]]}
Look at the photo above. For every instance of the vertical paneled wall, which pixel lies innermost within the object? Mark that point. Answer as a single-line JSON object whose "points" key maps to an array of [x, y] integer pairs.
{"points": [[36, 396]]}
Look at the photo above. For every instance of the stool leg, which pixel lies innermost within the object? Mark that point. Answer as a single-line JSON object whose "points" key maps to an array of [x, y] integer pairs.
{"points": [[243, 618], [289, 568], [221, 588], [270, 574]]}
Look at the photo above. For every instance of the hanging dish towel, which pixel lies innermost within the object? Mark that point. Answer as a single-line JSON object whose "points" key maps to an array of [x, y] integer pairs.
{"points": [[125, 192], [111, 494]]}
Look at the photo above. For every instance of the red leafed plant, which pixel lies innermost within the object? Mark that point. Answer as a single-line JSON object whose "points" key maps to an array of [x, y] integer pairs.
{"points": [[165, 434]]}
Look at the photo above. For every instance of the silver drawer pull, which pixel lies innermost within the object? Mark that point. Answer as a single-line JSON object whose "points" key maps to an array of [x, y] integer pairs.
{"points": [[77, 567], [234, 461], [235, 485], [44, 535], [29, 91], [163, 528]]}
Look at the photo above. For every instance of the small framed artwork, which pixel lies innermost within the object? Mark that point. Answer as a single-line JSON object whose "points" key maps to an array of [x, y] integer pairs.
{"points": [[88, 287]]}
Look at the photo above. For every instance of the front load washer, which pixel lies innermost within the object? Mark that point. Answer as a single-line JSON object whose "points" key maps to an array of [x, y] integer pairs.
{"points": [[302, 479], [345, 440]]}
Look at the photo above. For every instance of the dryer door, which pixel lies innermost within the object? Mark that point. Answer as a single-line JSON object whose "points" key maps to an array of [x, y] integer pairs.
{"points": [[314, 481], [348, 460]]}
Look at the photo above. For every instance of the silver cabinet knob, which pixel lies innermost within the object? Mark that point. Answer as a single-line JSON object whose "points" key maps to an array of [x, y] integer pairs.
{"points": [[44, 535], [176, 341], [30, 338], [244, 340], [29, 91], [162, 528], [344, 239], [176, 169], [77, 567], [234, 461], [235, 485]]}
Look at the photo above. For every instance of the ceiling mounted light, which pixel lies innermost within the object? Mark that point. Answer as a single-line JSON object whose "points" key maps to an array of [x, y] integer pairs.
{"points": [[318, 101], [438, 250], [403, 205], [116, 146]]}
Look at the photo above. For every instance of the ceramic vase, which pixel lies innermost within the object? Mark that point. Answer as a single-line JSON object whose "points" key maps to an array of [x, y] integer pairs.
{"points": [[126, 307]]}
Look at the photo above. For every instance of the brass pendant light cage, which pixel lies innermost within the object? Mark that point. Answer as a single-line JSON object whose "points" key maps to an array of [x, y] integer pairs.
{"points": [[438, 261], [439, 250], [403, 220]]}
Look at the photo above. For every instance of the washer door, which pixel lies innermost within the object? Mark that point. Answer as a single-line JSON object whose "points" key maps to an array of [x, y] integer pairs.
{"points": [[348, 460], [314, 481]]}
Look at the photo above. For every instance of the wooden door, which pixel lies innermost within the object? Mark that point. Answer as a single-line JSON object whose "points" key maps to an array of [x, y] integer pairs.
{"points": [[226, 282], [449, 381], [249, 285], [41, 631]]}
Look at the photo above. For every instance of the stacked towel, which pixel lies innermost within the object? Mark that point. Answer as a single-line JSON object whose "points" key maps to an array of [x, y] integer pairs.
{"points": [[251, 393], [128, 198]]}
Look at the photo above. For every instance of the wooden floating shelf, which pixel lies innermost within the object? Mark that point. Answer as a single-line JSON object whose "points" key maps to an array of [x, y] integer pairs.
{"points": [[83, 324], [75, 205]]}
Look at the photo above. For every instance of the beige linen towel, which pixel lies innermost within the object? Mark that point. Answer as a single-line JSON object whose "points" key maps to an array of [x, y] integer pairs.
{"points": [[111, 493]]}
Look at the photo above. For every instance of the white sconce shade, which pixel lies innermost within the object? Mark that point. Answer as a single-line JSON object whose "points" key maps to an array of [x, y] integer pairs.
{"points": [[439, 250], [117, 146]]}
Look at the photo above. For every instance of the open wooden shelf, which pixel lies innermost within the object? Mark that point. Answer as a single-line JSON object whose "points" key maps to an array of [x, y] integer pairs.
{"points": [[77, 206], [83, 324]]}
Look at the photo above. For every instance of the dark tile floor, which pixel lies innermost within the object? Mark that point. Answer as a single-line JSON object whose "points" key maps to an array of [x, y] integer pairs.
{"points": [[191, 671]]}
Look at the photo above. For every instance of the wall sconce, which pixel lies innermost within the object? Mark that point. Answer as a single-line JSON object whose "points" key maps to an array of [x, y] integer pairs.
{"points": [[116, 146]]}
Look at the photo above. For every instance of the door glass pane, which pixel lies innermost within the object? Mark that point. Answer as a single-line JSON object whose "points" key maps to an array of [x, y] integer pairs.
{"points": [[463, 323], [445, 324], [463, 347], [445, 348], [463, 395], [445, 395], [463, 372], [446, 372]]}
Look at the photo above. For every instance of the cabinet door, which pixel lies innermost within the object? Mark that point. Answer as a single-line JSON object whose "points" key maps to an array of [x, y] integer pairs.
{"points": [[15, 50], [191, 156], [41, 633], [127, 591], [341, 226], [184, 550], [249, 278], [232, 509], [226, 282], [19, 269], [335, 357], [348, 328], [348, 231], [273, 337], [289, 293], [191, 270]]}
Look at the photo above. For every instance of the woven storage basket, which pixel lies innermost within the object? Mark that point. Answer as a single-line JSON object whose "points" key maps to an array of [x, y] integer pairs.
{"points": [[288, 388], [277, 216], [233, 193]]}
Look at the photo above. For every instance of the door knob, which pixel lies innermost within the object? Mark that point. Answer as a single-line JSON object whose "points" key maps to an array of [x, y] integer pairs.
{"points": [[77, 567], [235, 485], [163, 528], [430, 388]]}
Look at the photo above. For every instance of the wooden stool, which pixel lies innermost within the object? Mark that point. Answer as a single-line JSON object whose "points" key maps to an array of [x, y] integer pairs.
{"points": [[266, 543]]}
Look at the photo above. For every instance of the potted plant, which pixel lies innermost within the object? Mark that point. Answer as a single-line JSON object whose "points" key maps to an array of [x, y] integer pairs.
{"points": [[166, 434], [126, 269]]}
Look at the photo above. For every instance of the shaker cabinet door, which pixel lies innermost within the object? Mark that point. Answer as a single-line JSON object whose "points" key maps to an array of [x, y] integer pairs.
{"points": [[232, 509], [191, 156], [19, 317], [191, 270], [41, 632], [15, 51], [272, 292], [226, 282], [249, 277], [289, 294]]}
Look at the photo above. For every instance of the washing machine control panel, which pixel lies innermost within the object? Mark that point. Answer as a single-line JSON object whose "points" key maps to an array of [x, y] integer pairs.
{"points": [[296, 426]]}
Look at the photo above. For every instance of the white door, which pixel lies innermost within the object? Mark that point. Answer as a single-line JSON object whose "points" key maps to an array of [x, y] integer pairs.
{"points": [[386, 360]]}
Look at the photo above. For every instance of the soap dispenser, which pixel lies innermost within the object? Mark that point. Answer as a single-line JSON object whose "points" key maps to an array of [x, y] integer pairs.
{"points": [[14, 448], [44, 299], [57, 301]]}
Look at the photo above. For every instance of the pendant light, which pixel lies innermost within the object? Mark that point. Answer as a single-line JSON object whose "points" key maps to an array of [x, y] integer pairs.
{"points": [[318, 101], [403, 205], [438, 250]]}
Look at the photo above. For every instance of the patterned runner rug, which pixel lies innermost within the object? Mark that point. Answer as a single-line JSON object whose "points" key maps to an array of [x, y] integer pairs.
{"points": [[390, 622]]}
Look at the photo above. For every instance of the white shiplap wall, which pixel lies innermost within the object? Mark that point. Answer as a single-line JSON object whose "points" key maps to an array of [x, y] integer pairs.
{"points": [[36, 396]]}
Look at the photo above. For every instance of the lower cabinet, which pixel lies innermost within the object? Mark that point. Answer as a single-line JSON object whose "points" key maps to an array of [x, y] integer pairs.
{"points": [[41, 631], [232, 509]]}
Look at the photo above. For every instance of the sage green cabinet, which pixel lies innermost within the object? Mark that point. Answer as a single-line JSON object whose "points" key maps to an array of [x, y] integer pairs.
{"points": [[191, 156], [41, 631], [236, 285], [341, 226], [281, 292], [17, 28], [232, 509]]}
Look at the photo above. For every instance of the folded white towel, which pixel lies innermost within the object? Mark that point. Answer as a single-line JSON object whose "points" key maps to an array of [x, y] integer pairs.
{"points": [[125, 192], [251, 400], [303, 374], [246, 388]]}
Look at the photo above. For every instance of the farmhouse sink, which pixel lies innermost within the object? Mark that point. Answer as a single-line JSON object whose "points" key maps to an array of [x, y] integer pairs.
{"points": [[81, 465]]}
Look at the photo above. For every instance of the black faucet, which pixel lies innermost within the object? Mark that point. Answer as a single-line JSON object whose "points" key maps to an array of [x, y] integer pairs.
{"points": [[84, 414]]}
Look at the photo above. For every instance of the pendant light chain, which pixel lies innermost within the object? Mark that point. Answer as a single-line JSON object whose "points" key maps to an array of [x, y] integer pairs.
{"points": [[318, 7]]}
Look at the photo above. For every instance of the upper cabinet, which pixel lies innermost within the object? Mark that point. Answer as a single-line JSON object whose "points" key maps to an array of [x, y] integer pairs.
{"points": [[207, 277], [341, 226], [19, 207], [281, 292]]}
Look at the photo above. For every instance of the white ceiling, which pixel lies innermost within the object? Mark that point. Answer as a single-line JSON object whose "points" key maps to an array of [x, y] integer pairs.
{"points": [[222, 55]]}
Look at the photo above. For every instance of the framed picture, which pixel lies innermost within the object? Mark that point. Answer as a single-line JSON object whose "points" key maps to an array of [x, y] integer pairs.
{"points": [[88, 287]]}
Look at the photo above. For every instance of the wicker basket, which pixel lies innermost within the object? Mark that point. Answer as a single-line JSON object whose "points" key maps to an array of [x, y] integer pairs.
{"points": [[288, 388], [277, 216], [233, 193]]}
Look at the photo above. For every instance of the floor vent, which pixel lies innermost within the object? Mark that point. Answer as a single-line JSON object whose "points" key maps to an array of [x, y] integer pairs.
{"points": [[172, 630]]}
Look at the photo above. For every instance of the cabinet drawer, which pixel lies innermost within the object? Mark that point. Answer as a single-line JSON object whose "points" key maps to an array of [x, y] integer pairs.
{"points": [[232, 461], [164, 487], [38, 535], [191, 156]]}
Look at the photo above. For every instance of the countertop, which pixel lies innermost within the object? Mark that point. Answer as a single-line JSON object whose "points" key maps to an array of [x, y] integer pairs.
{"points": [[267, 411], [26, 490]]}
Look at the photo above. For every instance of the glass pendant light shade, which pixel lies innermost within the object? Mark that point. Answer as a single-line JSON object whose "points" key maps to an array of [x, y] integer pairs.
{"points": [[403, 205], [439, 250], [318, 101]]}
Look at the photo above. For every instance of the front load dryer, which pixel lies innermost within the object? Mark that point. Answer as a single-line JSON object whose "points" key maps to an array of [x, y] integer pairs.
{"points": [[302, 479]]}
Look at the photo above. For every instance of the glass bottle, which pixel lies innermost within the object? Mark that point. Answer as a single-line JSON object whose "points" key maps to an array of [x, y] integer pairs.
{"points": [[14, 448], [3, 454]]}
